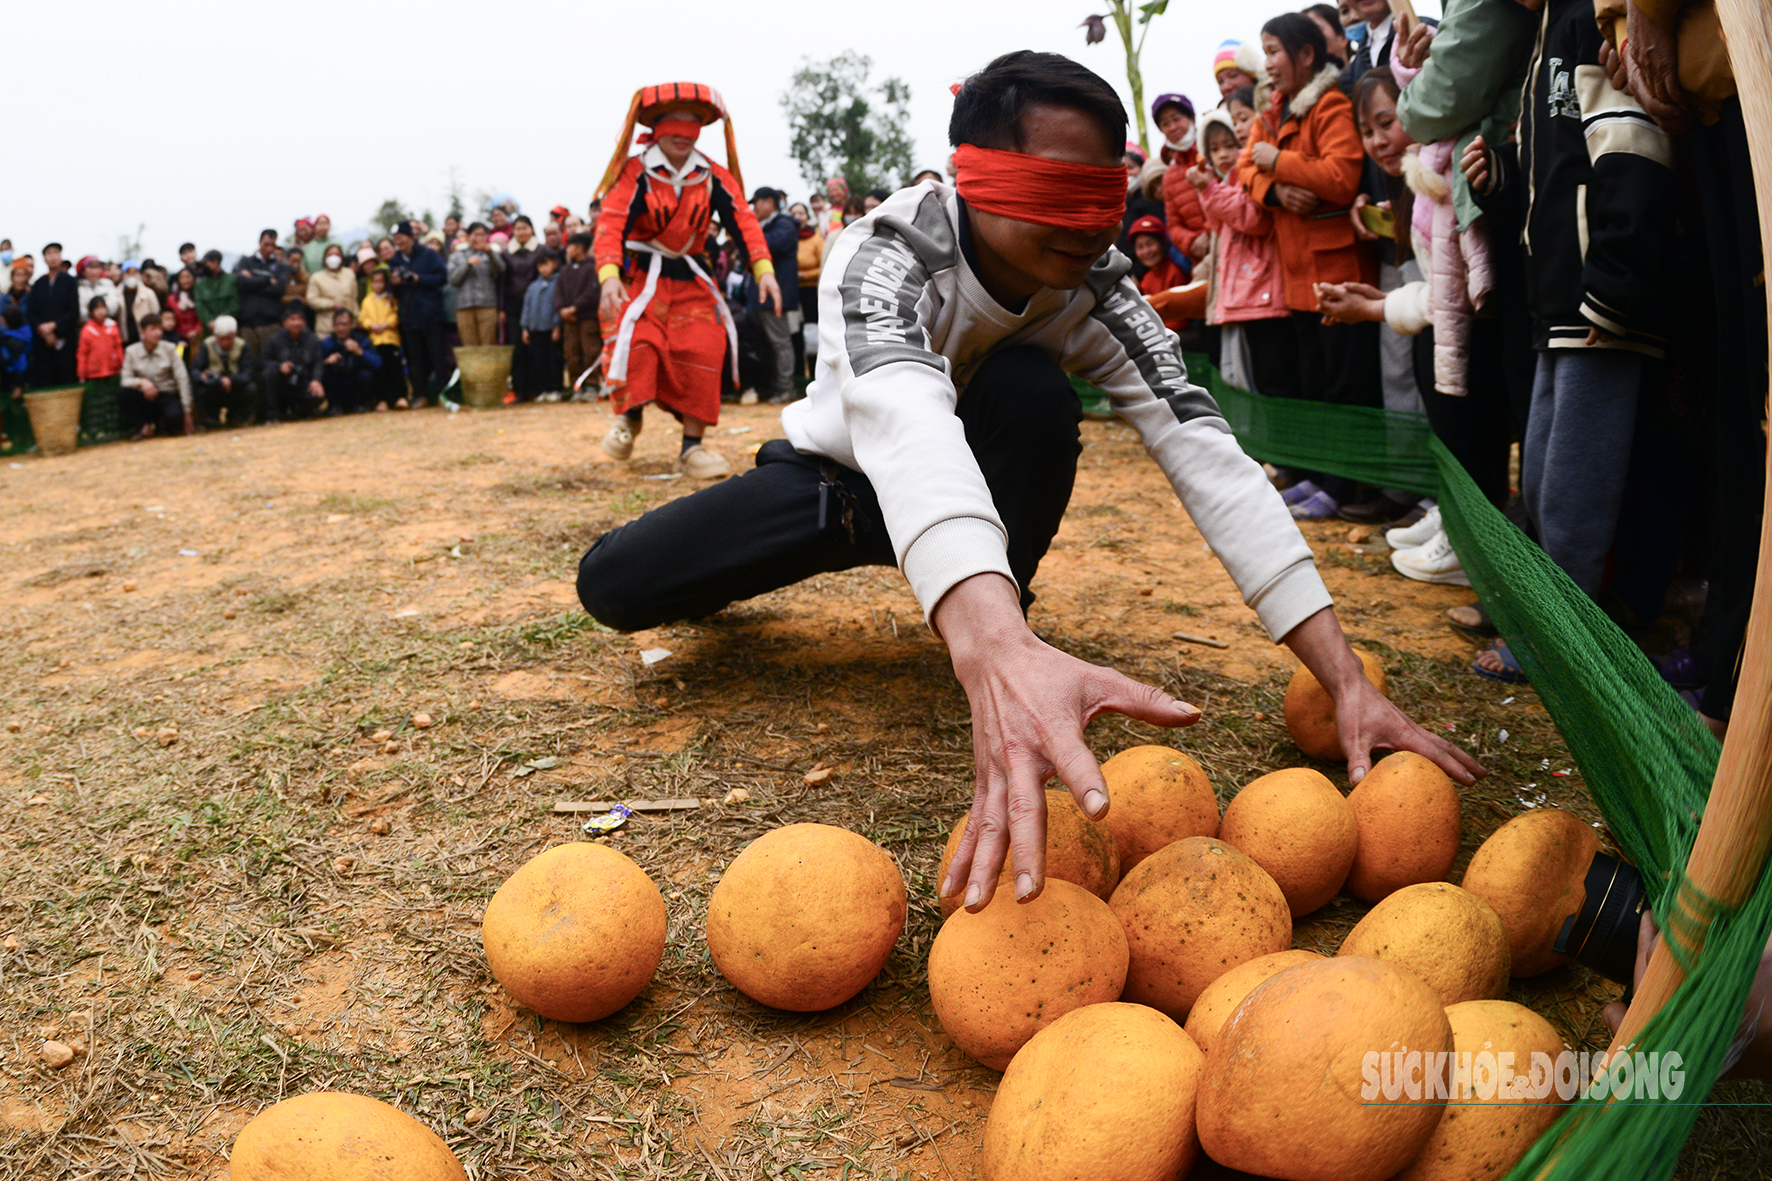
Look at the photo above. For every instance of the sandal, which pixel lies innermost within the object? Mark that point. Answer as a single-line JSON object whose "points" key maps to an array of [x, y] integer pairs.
{"points": [[1509, 673], [1681, 669], [1472, 620]]}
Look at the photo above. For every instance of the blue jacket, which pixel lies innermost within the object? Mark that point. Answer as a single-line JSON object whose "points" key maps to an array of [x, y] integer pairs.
{"points": [[783, 235], [539, 312], [15, 349], [351, 365], [418, 282]]}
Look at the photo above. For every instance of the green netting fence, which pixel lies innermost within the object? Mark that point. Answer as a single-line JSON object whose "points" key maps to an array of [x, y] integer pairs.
{"points": [[1645, 755]]}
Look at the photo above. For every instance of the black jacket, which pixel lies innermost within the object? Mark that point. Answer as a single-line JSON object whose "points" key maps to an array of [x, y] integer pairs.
{"points": [[417, 282], [303, 351], [1593, 178], [783, 235], [56, 297], [262, 284]]}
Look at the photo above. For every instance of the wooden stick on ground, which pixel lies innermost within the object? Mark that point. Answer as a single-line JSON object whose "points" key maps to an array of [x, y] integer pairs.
{"points": [[1730, 852]]}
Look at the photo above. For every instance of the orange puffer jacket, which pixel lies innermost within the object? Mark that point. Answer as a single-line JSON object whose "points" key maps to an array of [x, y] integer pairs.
{"points": [[1320, 151]]}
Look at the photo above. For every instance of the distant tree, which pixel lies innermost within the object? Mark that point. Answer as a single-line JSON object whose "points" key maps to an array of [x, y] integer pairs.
{"points": [[391, 214], [841, 126], [130, 245], [457, 209]]}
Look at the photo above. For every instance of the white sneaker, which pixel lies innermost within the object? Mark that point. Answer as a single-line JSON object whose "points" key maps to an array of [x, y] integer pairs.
{"points": [[1432, 561], [748, 398], [701, 464], [619, 442], [1420, 533]]}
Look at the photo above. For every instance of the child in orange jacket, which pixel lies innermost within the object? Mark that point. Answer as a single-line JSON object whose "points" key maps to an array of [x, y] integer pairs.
{"points": [[100, 352]]}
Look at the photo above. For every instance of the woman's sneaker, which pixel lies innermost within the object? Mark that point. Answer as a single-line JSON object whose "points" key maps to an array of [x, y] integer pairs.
{"points": [[699, 463], [1303, 490], [619, 442], [1318, 506], [1420, 533], [1433, 561]]}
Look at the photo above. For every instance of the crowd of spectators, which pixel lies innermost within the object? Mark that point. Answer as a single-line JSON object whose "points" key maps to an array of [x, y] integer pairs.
{"points": [[1503, 222], [302, 325]]}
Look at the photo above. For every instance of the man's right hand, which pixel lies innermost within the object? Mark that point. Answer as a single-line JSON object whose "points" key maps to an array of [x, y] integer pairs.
{"points": [[615, 294], [1030, 705], [227, 383], [286, 368]]}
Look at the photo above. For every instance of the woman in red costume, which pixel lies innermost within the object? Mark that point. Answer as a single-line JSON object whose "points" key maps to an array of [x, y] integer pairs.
{"points": [[665, 327]]}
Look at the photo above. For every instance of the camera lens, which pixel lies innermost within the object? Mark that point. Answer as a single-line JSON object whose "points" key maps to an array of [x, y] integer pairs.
{"points": [[1602, 935]]}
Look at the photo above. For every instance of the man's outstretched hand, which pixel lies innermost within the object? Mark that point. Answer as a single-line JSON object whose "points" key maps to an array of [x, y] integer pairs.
{"points": [[1365, 718], [1030, 705]]}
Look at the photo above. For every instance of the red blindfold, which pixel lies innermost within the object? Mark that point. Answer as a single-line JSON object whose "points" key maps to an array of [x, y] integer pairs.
{"points": [[1082, 197], [683, 125]]}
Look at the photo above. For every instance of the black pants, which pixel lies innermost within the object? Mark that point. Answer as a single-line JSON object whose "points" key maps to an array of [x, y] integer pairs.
{"points": [[50, 368], [1477, 428], [794, 516], [348, 391], [390, 379], [1737, 457], [287, 396], [536, 367], [1273, 357], [1337, 364], [240, 403], [165, 412], [424, 356]]}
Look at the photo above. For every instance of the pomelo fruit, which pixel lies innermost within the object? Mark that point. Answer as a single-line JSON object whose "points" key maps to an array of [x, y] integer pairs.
{"points": [[576, 932], [1410, 822], [1192, 911], [1310, 711], [1106, 1092], [1447, 936], [1533, 871], [805, 916], [1220, 999], [1481, 1139], [1298, 827], [337, 1136], [1001, 975], [1156, 795], [1281, 1091], [1077, 850]]}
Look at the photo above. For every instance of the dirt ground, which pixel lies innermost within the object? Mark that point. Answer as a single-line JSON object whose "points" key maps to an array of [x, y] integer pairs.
{"points": [[233, 869]]}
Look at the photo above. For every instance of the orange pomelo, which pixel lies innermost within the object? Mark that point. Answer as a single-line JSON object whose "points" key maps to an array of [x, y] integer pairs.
{"points": [[1533, 871], [1447, 936], [805, 916], [1192, 911], [1410, 822], [576, 932], [1077, 850], [999, 976], [1156, 796], [1298, 827], [1310, 711]]}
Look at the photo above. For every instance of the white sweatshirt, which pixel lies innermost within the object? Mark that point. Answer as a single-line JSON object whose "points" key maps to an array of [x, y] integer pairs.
{"points": [[904, 324]]}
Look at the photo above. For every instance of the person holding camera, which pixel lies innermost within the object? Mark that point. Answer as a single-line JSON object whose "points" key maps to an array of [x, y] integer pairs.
{"points": [[417, 276]]}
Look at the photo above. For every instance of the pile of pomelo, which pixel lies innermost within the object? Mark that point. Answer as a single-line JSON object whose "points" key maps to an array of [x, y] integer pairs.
{"points": [[1145, 1005]]}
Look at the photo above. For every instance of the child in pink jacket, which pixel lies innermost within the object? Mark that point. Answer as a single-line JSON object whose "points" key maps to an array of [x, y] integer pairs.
{"points": [[1248, 297]]}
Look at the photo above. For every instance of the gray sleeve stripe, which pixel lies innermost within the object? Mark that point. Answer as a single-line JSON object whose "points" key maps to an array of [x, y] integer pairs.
{"points": [[1135, 326], [880, 290]]}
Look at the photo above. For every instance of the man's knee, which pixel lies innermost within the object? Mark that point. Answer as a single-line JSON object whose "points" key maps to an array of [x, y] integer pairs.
{"points": [[610, 597]]}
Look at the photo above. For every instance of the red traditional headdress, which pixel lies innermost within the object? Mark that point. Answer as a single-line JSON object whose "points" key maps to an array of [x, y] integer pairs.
{"points": [[671, 98]]}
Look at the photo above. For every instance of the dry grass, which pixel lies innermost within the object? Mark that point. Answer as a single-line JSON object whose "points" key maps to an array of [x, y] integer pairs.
{"points": [[215, 920]]}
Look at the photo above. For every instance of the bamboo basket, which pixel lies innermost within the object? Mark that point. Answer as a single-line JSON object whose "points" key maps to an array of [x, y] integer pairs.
{"points": [[55, 418], [485, 374]]}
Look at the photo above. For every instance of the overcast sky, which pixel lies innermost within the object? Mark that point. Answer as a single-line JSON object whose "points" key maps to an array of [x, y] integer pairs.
{"points": [[209, 121]]}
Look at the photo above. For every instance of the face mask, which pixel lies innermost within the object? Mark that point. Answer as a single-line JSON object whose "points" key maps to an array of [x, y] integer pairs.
{"points": [[132, 281], [333, 262], [1185, 142]]}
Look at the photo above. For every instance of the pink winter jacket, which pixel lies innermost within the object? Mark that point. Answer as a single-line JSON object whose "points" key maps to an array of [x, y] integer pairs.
{"points": [[1247, 283]]}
